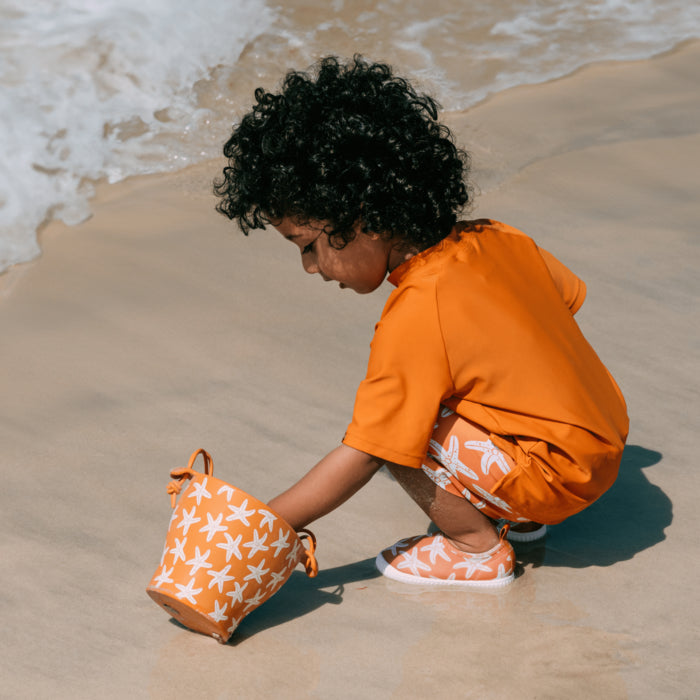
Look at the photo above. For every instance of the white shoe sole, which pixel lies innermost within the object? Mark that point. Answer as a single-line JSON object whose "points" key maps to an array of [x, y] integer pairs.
{"points": [[391, 572]]}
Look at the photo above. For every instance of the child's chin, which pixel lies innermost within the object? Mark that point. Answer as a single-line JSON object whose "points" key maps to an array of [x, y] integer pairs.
{"points": [[358, 290]]}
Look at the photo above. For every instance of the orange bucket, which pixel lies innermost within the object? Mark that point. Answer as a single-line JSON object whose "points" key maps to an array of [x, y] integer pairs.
{"points": [[225, 553]]}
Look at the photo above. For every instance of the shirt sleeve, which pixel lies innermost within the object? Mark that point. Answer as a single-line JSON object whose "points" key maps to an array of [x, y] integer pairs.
{"points": [[571, 287], [408, 375]]}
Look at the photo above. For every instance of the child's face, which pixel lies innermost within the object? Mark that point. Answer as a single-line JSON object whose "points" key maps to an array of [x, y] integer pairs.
{"points": [[361, 265]]}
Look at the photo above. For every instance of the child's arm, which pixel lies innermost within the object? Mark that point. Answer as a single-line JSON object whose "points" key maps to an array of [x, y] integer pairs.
{"points": [[339, 475]]}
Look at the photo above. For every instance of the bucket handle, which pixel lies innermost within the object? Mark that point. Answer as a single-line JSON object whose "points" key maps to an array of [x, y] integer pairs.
{"points": [[179, 475], [310, 563]]}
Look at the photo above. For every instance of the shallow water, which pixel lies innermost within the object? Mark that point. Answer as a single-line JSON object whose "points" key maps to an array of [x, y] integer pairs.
{"points": [[104, 89]]}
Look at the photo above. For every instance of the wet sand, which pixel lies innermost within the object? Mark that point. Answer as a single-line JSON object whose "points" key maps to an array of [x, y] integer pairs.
{"points": [[155, 328]]}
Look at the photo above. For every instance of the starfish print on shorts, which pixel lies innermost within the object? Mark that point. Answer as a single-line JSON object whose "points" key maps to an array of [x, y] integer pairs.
{"points": [[240, 513], [450, 458], [443, 413], [469, 496], [189, 591], [490, 455], [199, 490], [440, 478], [231, 546], [213, 526], [494, 500]]}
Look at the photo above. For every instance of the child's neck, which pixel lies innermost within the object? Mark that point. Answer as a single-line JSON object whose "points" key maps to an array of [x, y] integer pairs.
{"points": [[400, 253]]}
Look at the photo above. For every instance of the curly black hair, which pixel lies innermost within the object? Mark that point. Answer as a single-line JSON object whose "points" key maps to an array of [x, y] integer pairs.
{"points": [[342, 144]]}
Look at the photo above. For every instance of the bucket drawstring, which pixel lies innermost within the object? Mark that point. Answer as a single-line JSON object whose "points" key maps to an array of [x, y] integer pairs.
{"points": [[309, 560], [179, 475], [175, 486]]}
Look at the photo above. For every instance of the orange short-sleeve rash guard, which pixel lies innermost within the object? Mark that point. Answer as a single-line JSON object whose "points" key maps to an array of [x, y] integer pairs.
{"points": [[483, 323]]}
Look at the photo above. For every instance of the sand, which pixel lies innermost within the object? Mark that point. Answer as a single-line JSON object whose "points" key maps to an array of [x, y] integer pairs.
{"points": [[155, 328]]}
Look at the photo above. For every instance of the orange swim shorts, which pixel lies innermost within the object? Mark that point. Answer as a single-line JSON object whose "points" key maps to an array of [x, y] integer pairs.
{"points": [[464, 462]]}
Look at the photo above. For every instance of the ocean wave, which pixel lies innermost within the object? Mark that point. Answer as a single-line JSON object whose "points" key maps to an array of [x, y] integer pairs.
{"points": [[93, 90]]}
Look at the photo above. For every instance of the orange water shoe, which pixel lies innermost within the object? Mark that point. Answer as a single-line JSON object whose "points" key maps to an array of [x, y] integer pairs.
{"points": [[431, 560]]}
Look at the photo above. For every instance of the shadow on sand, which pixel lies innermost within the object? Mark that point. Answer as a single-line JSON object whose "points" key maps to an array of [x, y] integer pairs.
{"points": [[302, 595], [628, 519]]}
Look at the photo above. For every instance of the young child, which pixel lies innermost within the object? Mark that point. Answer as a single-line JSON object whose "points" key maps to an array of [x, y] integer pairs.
{"points": [[482, 397]]}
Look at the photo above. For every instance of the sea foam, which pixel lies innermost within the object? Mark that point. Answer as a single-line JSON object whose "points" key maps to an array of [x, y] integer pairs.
{"points": [[91, 89], [104, 89]]}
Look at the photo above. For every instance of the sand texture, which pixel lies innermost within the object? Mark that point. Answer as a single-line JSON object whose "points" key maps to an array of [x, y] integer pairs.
{"points": [[156, 328]]}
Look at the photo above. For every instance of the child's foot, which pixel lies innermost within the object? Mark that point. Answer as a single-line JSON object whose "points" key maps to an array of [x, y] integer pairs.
{"points": [[525, 532], [431, 560]]}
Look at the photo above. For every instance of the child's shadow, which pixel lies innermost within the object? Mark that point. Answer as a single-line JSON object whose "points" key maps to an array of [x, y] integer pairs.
{"points": [[628, 519], [301, 595]]}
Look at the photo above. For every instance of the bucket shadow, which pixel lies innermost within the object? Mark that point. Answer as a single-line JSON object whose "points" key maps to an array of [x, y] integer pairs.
{"points": [[629, 518], [301, 595]]}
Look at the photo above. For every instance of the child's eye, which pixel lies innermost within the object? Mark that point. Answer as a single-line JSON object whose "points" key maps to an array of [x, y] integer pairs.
{"points": [[308, 248]]}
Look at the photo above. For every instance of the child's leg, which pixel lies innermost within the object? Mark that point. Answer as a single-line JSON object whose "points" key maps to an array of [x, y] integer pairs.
{"points": [[455, 488], [464, 526]]}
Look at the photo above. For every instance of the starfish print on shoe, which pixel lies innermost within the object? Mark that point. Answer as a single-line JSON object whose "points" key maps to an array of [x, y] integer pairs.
{"points": [[431, 560]]}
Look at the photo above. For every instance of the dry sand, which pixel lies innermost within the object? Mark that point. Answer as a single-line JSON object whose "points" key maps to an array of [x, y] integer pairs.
{"points": [[154, 329]]}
